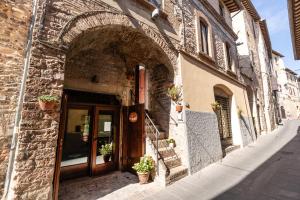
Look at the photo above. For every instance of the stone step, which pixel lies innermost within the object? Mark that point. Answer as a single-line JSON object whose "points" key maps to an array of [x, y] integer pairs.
{"points": [[231, 148], [166, 152], [176, 174], [162, 136], [172, 162]]}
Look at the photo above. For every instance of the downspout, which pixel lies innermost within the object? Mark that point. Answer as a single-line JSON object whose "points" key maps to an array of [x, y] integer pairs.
{"points": [[20, 103]]}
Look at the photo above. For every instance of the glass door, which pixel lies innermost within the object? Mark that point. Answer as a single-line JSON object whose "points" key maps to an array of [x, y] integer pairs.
{"points": [[105, 139], [76, 145]]}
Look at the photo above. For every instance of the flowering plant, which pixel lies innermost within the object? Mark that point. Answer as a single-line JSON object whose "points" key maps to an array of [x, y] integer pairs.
{"points": [[145, 165]]}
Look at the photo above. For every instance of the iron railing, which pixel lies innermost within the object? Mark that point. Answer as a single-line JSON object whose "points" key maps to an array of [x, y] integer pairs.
{"points": [[152, 131]]}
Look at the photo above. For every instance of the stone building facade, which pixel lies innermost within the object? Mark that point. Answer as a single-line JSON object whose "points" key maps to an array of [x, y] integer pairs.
{"points": [[14, 21], [288, 88], [246, 25], [267, 73], [102, 57]]}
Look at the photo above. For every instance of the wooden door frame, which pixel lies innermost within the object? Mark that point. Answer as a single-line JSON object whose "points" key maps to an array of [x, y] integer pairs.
{"points": [[78, 168], [102, 168], [62, 126]]}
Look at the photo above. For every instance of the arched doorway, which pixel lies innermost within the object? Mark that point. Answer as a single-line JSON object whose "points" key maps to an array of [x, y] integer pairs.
{"points": [[110, 72], [223, 97]]}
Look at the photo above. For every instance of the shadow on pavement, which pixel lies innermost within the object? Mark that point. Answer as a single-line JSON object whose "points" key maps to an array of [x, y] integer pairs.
{"points": [[277, 178]]}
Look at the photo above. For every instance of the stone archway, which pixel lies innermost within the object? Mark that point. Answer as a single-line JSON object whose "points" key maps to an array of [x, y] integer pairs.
{"points": [[38, 133], [99, 18]]}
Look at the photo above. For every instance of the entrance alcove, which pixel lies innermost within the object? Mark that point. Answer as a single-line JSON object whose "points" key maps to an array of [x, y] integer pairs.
{"points": [[107, 71], [228, 119]]}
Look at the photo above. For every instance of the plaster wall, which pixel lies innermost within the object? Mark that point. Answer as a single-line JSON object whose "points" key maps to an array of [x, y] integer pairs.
{"points": [[201, 122], [266, 82], [248, 31]]}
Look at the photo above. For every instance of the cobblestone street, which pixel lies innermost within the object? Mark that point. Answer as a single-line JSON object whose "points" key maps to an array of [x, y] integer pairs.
{"points": [[113, 186]]}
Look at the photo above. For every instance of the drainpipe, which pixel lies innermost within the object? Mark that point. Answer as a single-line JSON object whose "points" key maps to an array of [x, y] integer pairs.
{"points": [[20, 103]]}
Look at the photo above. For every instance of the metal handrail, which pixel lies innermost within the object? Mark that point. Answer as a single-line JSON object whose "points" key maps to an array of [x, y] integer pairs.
{"points": [[157, 133], [164, 109]]}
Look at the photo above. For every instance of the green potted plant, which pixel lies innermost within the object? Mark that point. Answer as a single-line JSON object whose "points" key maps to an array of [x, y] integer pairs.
{"points": [[171, 142], [240, 112], [47, 102], [143, 168], [106, 151], [175, 93], [216, 106]]}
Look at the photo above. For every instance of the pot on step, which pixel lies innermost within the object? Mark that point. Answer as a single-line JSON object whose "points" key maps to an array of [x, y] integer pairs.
{"points": [[143, 177], [179, 108]]}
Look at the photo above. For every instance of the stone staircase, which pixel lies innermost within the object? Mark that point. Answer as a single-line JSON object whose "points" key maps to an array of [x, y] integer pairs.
{"points": [[171, 168]]}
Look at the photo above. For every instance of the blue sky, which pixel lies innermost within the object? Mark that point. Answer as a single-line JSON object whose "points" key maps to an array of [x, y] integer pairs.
{"points": [[276, 14]]}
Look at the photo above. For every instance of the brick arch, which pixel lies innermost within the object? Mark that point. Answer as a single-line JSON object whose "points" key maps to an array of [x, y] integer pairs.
{"points": [[99, 18]]}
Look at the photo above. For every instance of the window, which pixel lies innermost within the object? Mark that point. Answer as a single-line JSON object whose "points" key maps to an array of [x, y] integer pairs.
{"points": [[204, 37], [228, 55], [221, 8]]}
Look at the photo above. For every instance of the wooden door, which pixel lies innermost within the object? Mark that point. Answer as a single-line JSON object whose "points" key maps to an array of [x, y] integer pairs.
{"points": [[105, 133], [133, 136]]}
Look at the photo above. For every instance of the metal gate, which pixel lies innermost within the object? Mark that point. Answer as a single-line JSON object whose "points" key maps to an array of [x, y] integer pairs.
{"points": [[224, 118]]}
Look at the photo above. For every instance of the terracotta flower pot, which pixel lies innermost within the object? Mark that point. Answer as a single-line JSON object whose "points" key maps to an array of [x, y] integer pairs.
{"points": [[179, 108], [172, 145], [143, 177], [45, 105], [106, 158]]}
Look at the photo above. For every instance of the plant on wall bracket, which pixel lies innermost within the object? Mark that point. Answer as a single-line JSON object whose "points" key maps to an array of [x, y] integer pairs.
{"points": [[240, 112], [47, 102], [175, 93]]}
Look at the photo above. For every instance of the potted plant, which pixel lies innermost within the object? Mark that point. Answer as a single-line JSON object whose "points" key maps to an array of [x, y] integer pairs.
{"points": [[216, 106], [47, 102], [175, 93], [143, 168], [240, 112], [106, 151], [171, 142]]}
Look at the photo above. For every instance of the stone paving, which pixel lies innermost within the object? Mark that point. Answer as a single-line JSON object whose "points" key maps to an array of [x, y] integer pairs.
{"points": [[114, 186], [268, 169]]}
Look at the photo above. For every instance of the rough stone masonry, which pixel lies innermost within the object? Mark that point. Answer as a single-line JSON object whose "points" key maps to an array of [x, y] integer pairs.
{"points": [[14, 23]]}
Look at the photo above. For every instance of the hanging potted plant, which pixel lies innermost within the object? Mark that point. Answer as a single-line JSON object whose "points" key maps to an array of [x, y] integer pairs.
{"points": [[143, 168], [47, 102], [171, 142], [175, 93], [106, 151], [216, 106]]}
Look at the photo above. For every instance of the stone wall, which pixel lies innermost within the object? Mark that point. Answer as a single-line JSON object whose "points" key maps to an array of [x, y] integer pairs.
{"points": [[204, 145], [218, 33], [250, 63], [53, 34], [14, 22]]}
